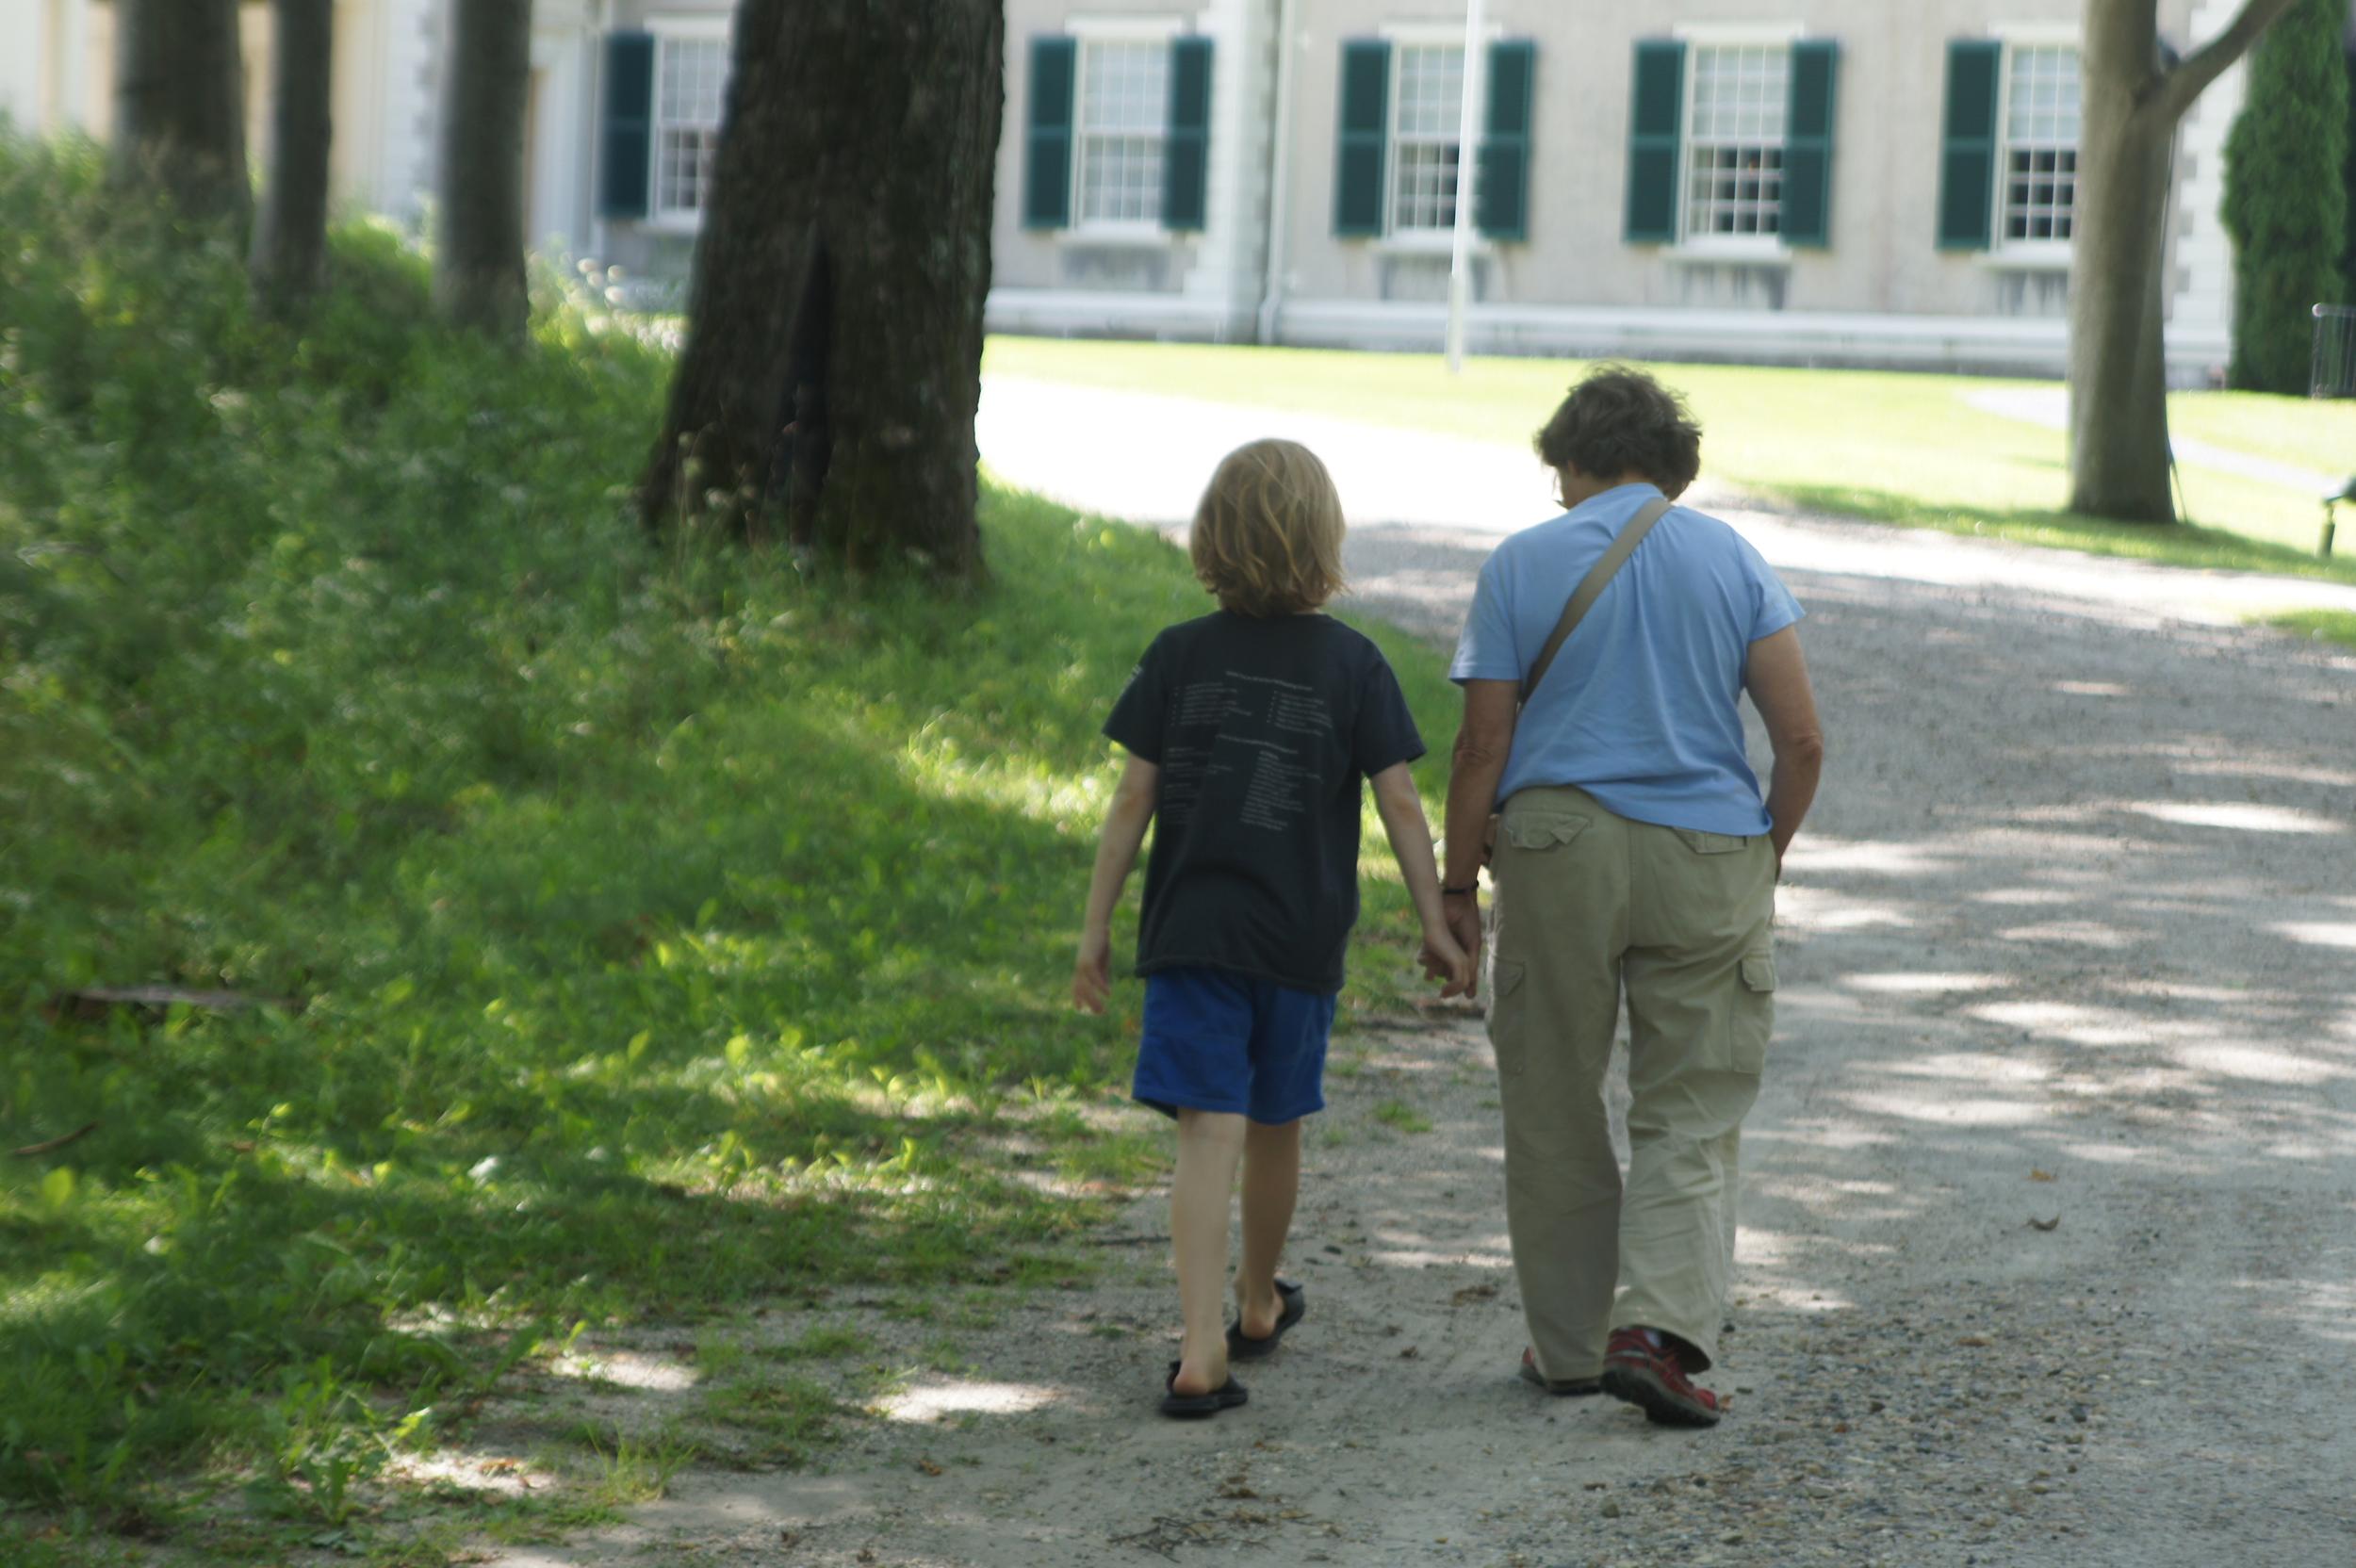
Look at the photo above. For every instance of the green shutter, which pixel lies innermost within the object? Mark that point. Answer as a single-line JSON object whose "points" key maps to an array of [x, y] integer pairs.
{"points": [[1186, 158], [1501, 205], [1654, 139], [626, 149], [1365, 137], [1047, 145], [1808, 144], [1966, 161]]}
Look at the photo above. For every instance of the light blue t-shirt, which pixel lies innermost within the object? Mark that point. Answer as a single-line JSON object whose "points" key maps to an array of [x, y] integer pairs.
{"points": [[1641, 707]]}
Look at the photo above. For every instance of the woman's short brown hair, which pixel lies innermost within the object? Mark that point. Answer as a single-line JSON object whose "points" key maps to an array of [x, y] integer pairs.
{"points": [[1268, 537], [1619, 421]]}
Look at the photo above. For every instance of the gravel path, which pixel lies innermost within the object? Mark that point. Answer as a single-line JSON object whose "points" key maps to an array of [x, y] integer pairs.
{"points": [[2050, 1251]]}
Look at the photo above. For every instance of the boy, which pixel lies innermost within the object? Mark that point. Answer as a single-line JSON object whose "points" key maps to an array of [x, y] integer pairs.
{"points": [[1249, 732]]}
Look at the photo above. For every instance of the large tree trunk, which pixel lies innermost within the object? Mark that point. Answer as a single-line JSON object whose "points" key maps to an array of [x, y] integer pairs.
{"points": [[289, 259], [2118, 448], [180, 105], [833, 361], [2117, 362], [486, 79]]}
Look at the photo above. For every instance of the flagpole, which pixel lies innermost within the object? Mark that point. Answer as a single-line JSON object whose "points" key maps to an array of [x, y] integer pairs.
{"points": [[1467, 169]]}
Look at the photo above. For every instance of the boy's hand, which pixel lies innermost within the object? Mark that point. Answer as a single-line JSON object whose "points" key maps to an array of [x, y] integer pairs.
{"points": [[1445, 959], [1093, 972]]}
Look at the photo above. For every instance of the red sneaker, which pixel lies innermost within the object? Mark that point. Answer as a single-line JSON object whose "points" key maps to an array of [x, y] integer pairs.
{"points": [[1651, 1376]]}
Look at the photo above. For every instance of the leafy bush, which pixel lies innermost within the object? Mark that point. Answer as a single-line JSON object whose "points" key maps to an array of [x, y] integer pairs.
{"points": [[2285, 202], [662, 930]]}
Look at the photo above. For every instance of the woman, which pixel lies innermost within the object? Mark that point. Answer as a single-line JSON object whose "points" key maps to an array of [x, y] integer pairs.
{"points": [[1633, 853]]}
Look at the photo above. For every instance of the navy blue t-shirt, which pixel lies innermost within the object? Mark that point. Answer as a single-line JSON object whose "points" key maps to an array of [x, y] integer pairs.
{"points": [[1265, 731]]}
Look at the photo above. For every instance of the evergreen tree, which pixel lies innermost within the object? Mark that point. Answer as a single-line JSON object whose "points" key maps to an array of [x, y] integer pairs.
{"points": [[2286, 195], [2347, 182]]}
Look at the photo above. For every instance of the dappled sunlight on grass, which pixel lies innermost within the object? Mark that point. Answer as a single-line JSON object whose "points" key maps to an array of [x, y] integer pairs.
{"points": [[628, 1370], [939, 1398]]}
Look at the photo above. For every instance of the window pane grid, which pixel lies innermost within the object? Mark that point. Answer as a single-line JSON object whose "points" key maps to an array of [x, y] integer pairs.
{"points": [[1429, 96], [1124, 108], [2041, 143], [1734, 140], [691, 82]]}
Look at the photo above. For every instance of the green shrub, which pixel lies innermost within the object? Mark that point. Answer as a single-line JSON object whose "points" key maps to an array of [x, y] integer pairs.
{"points": [[666, 930], [2285, 202]]}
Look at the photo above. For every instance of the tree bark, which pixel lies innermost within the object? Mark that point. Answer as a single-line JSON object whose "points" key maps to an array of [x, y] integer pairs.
{"points": [[833, 361], [486, 78], [180, 106], [289, 260], [2118, 445]]}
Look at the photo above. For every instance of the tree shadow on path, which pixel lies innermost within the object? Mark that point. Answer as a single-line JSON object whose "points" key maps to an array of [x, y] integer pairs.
{"points": [[2046, 1255]]}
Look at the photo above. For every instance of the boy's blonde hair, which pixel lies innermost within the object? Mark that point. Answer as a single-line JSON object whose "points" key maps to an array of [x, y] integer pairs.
{"points": [[1268, 537]]}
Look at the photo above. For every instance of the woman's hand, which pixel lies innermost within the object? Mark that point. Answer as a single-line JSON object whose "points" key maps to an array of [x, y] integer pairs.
{"points": [[1465, 935]]}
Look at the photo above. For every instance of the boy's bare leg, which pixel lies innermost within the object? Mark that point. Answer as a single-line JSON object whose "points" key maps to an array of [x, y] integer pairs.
{"points": [[1210, 1143], [1272, 1182]]}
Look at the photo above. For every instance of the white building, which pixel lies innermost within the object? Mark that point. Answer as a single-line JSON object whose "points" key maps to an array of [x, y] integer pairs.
{"points": [[1827, 181]]}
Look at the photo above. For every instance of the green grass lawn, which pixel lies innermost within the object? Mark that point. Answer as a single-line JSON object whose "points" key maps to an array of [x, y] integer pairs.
{"points": [[2330, 626], [1894, 448], [660, 931]]}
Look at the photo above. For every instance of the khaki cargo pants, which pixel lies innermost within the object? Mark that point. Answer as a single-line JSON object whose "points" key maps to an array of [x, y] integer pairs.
{"points": [[1590, 905]]}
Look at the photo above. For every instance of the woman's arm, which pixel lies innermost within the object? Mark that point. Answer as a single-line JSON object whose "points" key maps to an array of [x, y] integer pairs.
{"points": [[1483, 740], [1777, 677], [1115, 853]]}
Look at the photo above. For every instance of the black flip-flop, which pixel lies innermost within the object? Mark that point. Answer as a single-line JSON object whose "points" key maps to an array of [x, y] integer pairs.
{"points": [[1187, 1407], [1242, 1346], [1561, 1388]]}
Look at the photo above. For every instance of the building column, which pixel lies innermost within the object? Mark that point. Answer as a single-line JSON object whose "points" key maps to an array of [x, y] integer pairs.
{"points": [[1226, 268]]}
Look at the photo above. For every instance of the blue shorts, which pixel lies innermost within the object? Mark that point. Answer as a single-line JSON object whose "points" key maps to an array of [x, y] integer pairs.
{"points": [[1215, 1040]]}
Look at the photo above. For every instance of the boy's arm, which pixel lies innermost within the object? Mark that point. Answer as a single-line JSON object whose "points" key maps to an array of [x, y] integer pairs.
{"points": [[1402, 811], [1115, 853]]}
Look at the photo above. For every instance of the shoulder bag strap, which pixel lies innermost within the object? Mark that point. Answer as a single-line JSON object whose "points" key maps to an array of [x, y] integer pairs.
{"points": [[1591, 588]]}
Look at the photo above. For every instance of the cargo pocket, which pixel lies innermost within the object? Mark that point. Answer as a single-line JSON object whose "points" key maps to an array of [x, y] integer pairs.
{"points": [[1754, 1019], [1714, 844], [1542, 829], [1506, 1009]]}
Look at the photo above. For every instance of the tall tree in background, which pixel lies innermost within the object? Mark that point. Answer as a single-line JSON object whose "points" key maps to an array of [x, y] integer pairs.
{"points": [[289, 260], [2285, 205], [179, 120], [486, 79], [2134, 101], [833, 360], [2347, 169]]}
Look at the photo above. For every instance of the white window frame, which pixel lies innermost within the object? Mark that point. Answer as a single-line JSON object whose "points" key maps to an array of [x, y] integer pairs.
{"points": [[1087, 32], [670, 31], [1725, 34], [2002, 250], [1411, 35], [1421, 236]]}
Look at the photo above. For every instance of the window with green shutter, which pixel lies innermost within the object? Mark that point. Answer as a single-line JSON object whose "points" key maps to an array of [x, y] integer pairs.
{"points": [[625, 147], [1365, 131], [1187, 154], [1966, 162], [1047, 141], [1501, 208], [1808, 143], [1654, 126]]}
